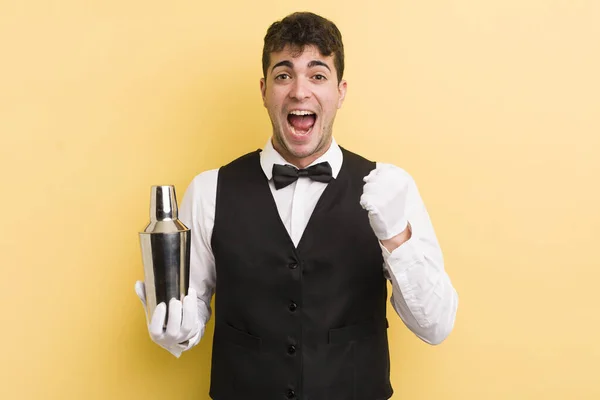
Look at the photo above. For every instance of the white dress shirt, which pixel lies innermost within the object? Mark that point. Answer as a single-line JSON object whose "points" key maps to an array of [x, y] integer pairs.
{"points": [[422, 293]]}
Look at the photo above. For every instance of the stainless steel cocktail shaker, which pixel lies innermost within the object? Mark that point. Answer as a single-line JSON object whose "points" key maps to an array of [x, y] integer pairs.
{"points": [[165, 247]]}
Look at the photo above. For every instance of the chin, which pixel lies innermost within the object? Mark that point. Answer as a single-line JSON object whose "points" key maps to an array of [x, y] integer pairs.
{"points": [[300, 146], [298, 149]]}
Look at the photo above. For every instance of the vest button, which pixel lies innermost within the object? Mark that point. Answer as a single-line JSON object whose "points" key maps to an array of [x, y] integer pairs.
{"points": [[293, 306], [292, 350], [293, 265], [291, 394]]}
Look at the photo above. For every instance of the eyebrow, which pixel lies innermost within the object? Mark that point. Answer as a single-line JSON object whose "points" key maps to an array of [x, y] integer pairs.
{"points": [[289, 64], [285, 63], [316, 63]]}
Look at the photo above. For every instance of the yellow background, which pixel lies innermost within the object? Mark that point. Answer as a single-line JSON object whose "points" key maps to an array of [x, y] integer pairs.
{"points": [[493, 107]]}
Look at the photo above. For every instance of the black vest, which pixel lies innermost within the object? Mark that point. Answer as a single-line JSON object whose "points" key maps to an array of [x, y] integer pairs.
{"points": [[303, 323]]}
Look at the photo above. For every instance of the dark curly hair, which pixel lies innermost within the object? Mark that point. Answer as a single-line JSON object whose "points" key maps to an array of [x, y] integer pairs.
{"points": [[301, 29]]}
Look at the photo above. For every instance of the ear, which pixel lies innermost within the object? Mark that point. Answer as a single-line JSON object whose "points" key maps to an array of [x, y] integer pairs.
{"points": [[263, 89], [342, 87]]}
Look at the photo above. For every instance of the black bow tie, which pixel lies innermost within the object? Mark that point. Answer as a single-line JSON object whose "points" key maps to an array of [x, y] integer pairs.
{"points": [[284, 175]]}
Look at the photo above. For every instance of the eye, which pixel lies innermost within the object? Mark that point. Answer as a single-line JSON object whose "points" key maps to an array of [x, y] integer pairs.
{"points": [[281, 77], [320, 77]]}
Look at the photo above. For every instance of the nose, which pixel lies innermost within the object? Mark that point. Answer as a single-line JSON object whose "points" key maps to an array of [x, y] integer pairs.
{"points": [[300, 89]]}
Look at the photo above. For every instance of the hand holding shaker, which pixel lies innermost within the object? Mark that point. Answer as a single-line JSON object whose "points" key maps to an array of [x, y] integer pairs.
{"points": [[165, 247]]}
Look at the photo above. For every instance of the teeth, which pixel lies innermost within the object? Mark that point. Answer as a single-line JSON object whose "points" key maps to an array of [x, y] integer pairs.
{"points": [[301, 112]]}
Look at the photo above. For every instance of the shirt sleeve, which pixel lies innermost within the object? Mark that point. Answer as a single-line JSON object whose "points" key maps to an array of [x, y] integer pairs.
{"points": [[422, 293], [197, 212]]}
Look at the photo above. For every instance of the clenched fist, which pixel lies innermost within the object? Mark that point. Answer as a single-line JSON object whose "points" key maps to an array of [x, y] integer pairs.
{"points": [[384, 197]]}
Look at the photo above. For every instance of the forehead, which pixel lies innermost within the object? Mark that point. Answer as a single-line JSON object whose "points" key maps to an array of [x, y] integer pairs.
{"points": [[300, 57]]}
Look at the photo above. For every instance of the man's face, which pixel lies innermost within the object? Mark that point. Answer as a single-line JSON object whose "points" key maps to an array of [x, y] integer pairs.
{"points": [[302, 96]]}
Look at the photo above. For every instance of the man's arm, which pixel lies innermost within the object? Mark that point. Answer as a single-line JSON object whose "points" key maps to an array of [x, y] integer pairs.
{"points": [[197, 212], [188, 318], [422, 293]]}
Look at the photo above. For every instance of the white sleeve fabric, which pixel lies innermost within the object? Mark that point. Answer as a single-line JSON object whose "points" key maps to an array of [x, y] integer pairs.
{"points": [[422, 293], [197, 212]]}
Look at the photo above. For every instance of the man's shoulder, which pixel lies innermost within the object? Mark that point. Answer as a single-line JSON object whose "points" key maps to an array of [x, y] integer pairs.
{"points": [[355, 162], [357, 159], [348, 154], [246, 158], [209, 177], [205, 180]]}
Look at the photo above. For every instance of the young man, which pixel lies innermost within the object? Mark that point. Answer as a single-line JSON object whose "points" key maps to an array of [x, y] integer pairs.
{"points": [[302, 237]]}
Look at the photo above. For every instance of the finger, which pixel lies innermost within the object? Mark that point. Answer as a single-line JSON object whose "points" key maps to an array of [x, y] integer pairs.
{"points": [[377, 178], [190, 314], [371, 187], [383, 171], [380, 188], [140, 290], [158, 321], [393, 175], [366, 202], [371, 174], [363, 202], [174, 321]]}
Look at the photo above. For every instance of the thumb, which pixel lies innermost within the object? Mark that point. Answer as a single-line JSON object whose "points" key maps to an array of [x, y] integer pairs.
{"points": [[140, 290]]}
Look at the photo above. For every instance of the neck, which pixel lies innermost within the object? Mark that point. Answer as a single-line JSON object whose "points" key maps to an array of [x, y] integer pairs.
{"points": [[301, 162]]}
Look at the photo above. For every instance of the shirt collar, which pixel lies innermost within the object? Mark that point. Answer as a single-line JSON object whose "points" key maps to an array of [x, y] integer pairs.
{"points": [[270, 156]]}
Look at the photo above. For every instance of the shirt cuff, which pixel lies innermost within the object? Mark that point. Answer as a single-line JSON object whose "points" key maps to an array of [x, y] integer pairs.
{"points": [[397, 266], [403, 256]]}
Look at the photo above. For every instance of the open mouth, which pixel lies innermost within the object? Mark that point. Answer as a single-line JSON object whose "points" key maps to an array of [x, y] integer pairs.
{"points": [[301, 122]]}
